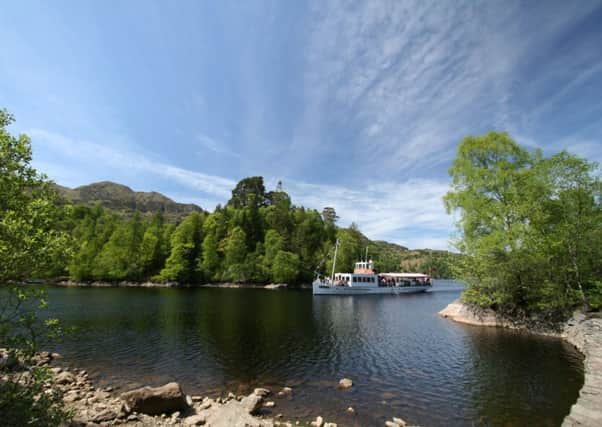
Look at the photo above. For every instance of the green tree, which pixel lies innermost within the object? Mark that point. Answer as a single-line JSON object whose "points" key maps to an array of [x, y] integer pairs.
{"points": [[153, 250], [285, 268], [527, 225], [249, 191], [182, 264], [235, 256], [28, 242]]}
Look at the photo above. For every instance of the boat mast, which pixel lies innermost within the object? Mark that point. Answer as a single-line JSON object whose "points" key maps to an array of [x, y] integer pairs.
{"points": [[334, 261]]}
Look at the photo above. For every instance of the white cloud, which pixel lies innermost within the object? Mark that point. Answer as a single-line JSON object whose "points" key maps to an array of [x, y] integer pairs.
{"points": [[387, 210], [214, 145], [102, 156]]}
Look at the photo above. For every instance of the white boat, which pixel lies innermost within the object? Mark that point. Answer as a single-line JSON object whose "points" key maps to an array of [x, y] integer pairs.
{"points": [[364, 280]]}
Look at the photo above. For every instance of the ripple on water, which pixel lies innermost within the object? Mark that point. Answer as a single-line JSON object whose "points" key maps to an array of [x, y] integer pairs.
{"points": [[404, 360]]}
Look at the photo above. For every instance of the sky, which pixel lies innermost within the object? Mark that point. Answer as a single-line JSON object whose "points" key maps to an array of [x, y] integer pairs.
{"points": [[359, 105]]}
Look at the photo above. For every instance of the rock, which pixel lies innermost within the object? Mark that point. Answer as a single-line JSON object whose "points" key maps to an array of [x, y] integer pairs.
{"points": [[330, 425], [391, 424], [351, 411], [195, 420], [205, 405], [188, 400], [269, 404], [71, 396], [153, 401], [231, 396], [64, 378], [285, 391], [251, 403], [56, 371], [105, 415], [108, 389], [196, 398], [132, 417], [55, 356], [399, 422], [345, 383], [175, 415], [319, 422], [263, 392]]}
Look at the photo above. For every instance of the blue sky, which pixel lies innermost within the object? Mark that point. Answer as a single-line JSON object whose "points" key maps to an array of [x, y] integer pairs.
{"points": [[357, 105]]}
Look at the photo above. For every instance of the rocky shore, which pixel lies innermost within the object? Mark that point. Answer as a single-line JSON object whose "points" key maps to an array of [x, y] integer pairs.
{"points": [[166, 405], [584, 332]]}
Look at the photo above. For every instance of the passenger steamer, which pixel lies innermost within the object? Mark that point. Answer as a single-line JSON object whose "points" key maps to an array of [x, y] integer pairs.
{"points": [[364, 280]]}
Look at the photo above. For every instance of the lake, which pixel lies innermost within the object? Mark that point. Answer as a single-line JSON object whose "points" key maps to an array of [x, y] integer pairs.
{"points": [[403, 358]]}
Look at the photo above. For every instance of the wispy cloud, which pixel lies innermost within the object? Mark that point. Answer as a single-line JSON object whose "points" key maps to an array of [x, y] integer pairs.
{"points": [[214, 145], [384, 210]]}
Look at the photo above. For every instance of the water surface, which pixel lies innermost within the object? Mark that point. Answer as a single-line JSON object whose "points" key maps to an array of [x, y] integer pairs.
{"points": [[404, 360]]}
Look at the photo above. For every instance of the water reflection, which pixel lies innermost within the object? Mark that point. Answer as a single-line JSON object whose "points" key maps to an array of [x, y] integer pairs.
{"points": [[404, 360]]}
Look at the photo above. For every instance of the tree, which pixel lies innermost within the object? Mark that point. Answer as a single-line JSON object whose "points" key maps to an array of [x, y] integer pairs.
{"points": [[527, 225], [235, 255], [183, 261], [329, 214], [248, 191], [285, 268], [28, 242]]}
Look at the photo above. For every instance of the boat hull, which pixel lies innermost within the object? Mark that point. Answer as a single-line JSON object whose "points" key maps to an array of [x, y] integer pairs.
{"points": [[320, 289]]}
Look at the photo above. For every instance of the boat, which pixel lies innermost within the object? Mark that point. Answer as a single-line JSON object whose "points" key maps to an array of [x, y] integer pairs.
{"points": [[364, 280]]}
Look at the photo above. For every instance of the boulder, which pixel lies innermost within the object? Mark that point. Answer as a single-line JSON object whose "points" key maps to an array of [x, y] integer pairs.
{"points": [[399, 422], [263, 392], [105, 415], [156, 400], [251, 403], [64, 377], [195, 420], [345, 383]]}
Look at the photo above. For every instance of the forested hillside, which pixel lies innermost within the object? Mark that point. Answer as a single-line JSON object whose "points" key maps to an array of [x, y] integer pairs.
{"points": [[259, 236], [124, 200]]}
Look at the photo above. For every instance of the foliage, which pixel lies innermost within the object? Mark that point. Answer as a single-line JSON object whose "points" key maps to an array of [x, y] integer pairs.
{"points": [[529, 225], [285, 268], [30, 242]]}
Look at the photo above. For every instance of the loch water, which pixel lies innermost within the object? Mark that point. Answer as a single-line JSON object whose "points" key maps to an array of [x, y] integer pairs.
{"points": [[403, 358]]}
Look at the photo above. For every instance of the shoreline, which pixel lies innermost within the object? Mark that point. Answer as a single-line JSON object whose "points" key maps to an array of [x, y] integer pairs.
{"points": [[127, 284], [167, 405], [584, 333]]}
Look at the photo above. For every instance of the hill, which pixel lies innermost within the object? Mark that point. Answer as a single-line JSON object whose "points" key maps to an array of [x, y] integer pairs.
{"points": [[125, 201]]}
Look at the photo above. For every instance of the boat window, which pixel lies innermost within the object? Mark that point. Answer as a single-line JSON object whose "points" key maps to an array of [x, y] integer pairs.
{"points": [[354, 279]]}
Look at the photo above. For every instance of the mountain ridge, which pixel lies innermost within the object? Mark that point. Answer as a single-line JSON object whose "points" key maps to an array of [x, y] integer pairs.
{"points": [[121, 198]]}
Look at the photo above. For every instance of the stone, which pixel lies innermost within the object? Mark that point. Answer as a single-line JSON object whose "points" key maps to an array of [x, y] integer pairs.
{"points": [[251, 403], [285, 391], [71, 396], [56, 370], [64, 377], [269, 404], [330, 424], [351, 411], [196, 398], [399, 422], [345, 383], [188, 400], [319, 422], [263, 392], [231, 396], [105, 415], [390, 424], [195, 420], [158, 400]]}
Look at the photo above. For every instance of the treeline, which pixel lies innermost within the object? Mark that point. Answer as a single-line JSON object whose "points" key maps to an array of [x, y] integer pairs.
{"points": [[530, 225], [259, 236]]}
